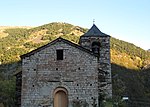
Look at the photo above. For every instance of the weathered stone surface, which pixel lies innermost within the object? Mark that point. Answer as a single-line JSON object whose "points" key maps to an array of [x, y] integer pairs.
{"points": [[42, 73], [104, 57], [81, 74]]}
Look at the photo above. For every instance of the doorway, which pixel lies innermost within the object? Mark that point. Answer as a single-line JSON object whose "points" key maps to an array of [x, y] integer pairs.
{"points": [[60, 97]]}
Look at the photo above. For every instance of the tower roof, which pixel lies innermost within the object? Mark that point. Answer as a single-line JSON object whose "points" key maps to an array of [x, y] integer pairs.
{"points": [[94, 31]]}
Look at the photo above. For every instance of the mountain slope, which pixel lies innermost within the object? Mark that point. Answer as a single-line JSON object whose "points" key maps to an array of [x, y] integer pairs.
{"points": [[126, 58], [129, 55], [21, 40]]}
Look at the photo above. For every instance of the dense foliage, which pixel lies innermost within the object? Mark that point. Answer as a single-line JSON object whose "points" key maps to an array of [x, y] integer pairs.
{"points": [[7, 91], [129, 48], [126, 59]]}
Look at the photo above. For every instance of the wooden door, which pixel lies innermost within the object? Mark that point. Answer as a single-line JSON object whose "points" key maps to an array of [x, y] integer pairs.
{"points": [[60, 99]]}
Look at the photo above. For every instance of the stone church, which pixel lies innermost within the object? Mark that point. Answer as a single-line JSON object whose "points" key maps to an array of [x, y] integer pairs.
{"points": [[64, 74]]}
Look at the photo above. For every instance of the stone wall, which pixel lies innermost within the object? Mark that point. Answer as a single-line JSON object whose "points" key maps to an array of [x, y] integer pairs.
{"points": [[18, 89], [104, 58], [42, 73], [105, 65]]}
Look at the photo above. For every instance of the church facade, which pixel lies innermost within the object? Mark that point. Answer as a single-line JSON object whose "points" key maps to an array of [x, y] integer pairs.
{"points": [[64, 74]]}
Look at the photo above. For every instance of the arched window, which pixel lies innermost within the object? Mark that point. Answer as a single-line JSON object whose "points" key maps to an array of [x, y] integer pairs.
{"points": [[96, 47]]}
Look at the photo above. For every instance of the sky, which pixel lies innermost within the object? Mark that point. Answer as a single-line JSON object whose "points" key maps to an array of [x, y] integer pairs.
{"points": [[127, 20]]}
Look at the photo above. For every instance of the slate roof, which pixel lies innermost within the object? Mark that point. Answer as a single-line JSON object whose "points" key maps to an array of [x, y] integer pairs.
{"points": [[94, 31], [53, 42]]}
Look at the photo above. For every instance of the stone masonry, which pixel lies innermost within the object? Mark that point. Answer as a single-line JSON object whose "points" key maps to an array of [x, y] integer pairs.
{"points": [[99, 43], [72, 70]]}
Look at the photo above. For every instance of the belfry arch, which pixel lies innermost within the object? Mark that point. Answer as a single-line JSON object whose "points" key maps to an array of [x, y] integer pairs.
{"points": [[96, 47]]}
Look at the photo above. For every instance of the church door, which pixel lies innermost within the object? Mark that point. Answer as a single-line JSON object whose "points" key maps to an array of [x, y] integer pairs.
{"points": [[60, 99]]}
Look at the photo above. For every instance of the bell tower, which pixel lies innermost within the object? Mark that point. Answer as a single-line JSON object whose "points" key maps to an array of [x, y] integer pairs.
{"points": [[99, 43]]}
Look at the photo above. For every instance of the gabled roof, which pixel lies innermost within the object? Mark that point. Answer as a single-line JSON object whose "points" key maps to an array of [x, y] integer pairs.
{"points": [[53, 42], [94, 31]]}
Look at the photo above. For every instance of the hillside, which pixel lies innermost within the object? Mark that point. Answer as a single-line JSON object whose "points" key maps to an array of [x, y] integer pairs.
{"points": [[130, 64], [3, 28], [17, 41]]}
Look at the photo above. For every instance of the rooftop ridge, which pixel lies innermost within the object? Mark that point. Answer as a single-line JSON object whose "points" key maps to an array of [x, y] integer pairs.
{"points": [[94, 31]]}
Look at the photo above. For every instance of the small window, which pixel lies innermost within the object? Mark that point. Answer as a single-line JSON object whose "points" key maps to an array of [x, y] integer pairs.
{"points": [[59, 54]]}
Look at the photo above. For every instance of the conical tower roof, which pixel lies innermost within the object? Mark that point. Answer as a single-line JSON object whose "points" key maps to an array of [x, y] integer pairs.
{"points": [[94, 31]]}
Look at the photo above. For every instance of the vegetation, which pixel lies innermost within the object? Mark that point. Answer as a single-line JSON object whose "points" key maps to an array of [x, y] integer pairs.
{"points": [[7, 91], [129, 48], [130, 64]]}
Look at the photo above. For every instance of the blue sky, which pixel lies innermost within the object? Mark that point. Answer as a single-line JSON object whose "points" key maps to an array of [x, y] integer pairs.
{"points": [[128, 20]]}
